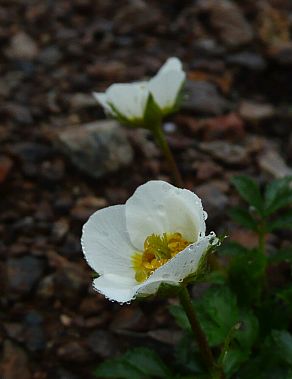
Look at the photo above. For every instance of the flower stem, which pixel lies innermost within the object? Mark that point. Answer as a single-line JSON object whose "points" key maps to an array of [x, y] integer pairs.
{"points": [[162, 142], [206, 353]]}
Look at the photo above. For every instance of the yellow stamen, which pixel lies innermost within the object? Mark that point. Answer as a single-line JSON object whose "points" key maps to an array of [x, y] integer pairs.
{"points": [[157, 251]]}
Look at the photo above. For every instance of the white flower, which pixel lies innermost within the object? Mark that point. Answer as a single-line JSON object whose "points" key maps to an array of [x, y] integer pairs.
{"points": [[159, 219], [130, 102], [165, 87], [125, 101]]}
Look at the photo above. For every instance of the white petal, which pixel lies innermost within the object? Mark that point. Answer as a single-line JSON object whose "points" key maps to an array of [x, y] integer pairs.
{"points": [[106, 244], [121, 289], [115, 287], [178, 268], [158, 207], [129, 99], [101, 98], [172, 64], [165, 88]]}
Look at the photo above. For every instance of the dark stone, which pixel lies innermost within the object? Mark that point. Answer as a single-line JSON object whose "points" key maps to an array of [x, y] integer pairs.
{"points": [[31, 151], [226, 152], [22, 274], [14, 362], [228, 21], [214, 200], [247, 59], [203, 98], [97, 148], [103, 343]]}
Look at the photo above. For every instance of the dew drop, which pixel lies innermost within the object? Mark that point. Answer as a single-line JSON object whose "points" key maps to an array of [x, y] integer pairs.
{"points": [[205, 215]]}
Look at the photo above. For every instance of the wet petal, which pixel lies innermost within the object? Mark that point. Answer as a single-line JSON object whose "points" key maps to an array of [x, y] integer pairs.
{"points": [[115, 287], [158, 207], [106, 244], [178, 268]]}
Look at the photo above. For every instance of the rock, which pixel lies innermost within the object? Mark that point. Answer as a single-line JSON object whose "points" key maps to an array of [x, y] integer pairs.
{"points": [[85, 206], [226, 152], [136, 16], [33, 332], [208, 47], [46, 287], [64, 374], [22, 47], [253, 112], [14, 364], [282, 53], [73, 351], [31, 151], [247, 59], [70, 246], [30, 332], [92, 305], [97, 148], [52, 172], [141, 139], [129, 318], [167, 336], [19, 113], [228, 22], [273, 164], [60, 229], [50, 56], [203, 97], [214, 200], [70, 279], [5, 167], [206, 169], [82, 100], [103, 344], [22, 274]]}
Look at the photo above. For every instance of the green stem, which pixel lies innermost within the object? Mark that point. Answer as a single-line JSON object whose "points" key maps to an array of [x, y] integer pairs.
{"points": [[206, 352], [262, 251], [261, 243], [162, 142]]}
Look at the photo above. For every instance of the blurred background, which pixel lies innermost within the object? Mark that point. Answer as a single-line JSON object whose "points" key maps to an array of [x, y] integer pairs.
{"points": [[55, 169]]}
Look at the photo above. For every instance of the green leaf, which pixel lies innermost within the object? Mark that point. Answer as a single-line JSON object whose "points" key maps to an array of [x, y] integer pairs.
{"points": [[187, 355], [285, 295], [274, 359], [243, 217], [282, 342], [283, 255], [249, 191], [245, 274], [140, 363], [217, 313], [232, 249], [278, 194], [180, 317], [116, 368], [283, 221], [239, 342]]}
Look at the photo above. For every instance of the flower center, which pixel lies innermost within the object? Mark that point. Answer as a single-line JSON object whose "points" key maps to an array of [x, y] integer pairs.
{"points": [[158, 249]]}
